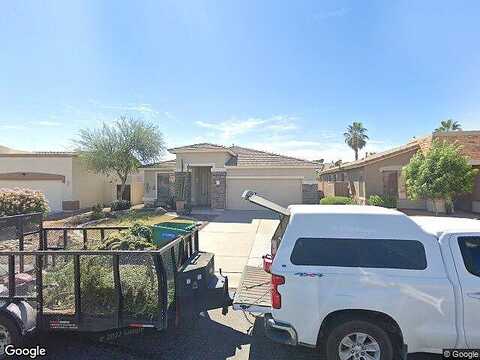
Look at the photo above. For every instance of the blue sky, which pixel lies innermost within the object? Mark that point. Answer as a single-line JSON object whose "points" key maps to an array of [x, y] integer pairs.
{"points": [[284, 76]]}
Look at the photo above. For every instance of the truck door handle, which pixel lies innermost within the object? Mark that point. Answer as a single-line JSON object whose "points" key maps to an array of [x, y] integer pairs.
{"points": [[474, 295]]}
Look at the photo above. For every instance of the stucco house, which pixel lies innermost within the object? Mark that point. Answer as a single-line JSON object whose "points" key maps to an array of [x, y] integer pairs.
{"points": [[381, 173], [217, 175], [65, 182]]}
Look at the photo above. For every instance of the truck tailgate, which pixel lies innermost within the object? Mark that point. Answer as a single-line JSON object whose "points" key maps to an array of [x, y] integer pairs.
{"points": [[253, 292]]}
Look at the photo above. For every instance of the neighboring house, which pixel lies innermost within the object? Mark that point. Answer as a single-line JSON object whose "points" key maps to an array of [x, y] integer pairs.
{"points": [[67, 185], [216, 176], [381, 173]]}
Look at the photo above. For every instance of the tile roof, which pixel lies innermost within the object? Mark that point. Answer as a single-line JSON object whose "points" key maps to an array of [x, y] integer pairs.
{"points": [[245, 157], [374, 157], [199, 146], [167, 165]]}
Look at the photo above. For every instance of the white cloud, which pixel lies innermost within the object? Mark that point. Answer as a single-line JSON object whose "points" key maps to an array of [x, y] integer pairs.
{"points": [[229, 129]]}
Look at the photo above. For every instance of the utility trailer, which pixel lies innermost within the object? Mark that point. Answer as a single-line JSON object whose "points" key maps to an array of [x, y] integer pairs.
{"points": [[99, 291]]}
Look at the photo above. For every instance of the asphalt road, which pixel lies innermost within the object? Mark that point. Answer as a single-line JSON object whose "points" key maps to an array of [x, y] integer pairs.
{"points": [[215, 337]]}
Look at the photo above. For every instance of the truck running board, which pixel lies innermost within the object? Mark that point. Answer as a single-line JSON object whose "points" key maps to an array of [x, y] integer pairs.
{"points": [[253, 292]]}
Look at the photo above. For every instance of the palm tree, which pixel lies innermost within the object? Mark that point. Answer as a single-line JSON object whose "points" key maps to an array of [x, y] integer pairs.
{"points": [[356, 137], [449, 125]]}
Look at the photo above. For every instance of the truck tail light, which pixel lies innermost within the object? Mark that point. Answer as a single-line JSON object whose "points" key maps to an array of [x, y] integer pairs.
{"points": [[276, 297]]}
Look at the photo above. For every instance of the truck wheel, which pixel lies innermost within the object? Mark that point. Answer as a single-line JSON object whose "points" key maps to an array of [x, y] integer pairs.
{"points": [[358, 340], [9, 334]]}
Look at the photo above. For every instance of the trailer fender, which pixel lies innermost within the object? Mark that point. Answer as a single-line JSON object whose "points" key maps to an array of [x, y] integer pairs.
{"points": [[22, 313]]}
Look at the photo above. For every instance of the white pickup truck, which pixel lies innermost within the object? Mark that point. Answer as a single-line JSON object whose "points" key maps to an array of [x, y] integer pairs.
{"points": [[364, 283]]}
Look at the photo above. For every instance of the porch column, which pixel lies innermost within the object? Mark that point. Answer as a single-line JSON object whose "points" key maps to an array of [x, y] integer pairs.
{"points": [[179, 176], [219, 190]]}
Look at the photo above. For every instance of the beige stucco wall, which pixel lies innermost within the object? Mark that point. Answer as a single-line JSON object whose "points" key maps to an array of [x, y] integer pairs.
{"points": [[88, 187], [218, 159], [373, 173], [307, 174], [136, 187], [55, 190]]}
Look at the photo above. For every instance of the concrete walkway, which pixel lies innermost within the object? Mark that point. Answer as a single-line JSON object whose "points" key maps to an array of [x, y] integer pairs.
{"points": [[237, 238]]}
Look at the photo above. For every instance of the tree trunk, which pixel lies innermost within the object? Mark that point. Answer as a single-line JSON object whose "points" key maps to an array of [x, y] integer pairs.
{"points": [[356, 154], [123, 180]]}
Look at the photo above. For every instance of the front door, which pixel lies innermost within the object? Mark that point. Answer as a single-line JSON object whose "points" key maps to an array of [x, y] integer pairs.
{"points": [[466, 252], [202, 179]]}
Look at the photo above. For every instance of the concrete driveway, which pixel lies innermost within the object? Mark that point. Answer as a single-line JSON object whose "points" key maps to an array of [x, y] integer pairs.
{"points": [[231, 237]]}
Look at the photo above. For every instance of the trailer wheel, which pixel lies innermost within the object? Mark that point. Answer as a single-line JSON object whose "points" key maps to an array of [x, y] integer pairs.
{"points": [[9, 334]]}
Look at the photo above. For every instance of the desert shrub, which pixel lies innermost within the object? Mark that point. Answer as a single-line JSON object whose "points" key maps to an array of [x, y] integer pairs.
{"points": [[21, 201], [138, 277], [120, 205], [376, 200], [142, 230], [97, 212], [125, 240], [138, 237], [384, 201], [336, 200], [139, 286]]}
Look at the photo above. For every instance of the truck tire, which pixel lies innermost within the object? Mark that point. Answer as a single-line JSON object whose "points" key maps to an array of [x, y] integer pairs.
{"points": [[9, 334], [358, 340]]}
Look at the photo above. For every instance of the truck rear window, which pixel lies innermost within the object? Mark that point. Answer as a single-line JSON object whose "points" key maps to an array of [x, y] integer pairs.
{"points": [[368, 253], [470, 248]]}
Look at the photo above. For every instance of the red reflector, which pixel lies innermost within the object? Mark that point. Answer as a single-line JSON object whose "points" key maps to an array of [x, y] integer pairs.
{"points": [[276, 297]]}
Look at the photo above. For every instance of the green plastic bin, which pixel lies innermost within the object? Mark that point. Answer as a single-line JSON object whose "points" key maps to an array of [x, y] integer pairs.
{"points": [[167, 231]]}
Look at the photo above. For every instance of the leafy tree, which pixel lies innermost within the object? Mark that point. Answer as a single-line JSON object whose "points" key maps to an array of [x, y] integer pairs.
{"points": [[449, 125], [356, 137], [441, 173], [121, 148]]}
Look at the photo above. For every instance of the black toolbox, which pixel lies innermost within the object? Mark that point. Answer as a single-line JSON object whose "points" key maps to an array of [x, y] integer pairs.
{"points": [[198, 287]]}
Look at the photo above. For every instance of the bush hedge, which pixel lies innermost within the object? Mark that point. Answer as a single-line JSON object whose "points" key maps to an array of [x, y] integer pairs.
{"points": [[120, 205], [385, 201], [336, 200], [22, 201], [97, 212]]}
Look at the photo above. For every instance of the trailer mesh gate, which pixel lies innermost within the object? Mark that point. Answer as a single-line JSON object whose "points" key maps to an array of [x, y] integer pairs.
{"points": [[74, 288]]}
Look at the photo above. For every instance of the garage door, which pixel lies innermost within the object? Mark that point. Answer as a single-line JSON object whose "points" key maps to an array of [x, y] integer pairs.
{"points": [[53, 190], [281, 191]]}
